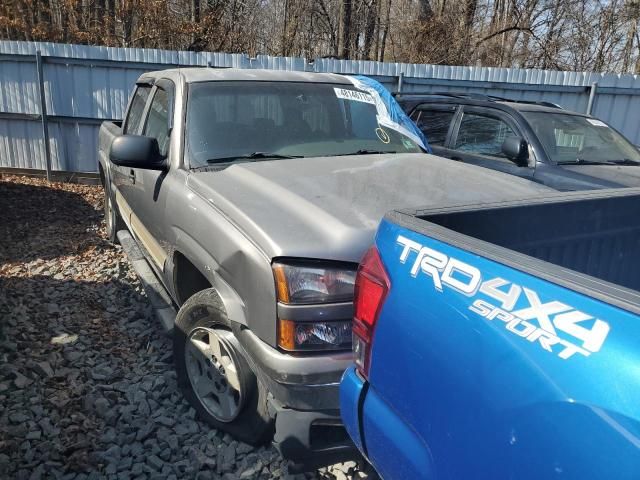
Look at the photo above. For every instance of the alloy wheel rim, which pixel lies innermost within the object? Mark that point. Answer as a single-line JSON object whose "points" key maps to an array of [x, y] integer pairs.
{"points": [[213, 374]]}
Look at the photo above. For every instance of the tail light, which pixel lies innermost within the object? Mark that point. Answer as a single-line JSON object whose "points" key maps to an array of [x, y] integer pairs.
{"points": [[371, 288]]}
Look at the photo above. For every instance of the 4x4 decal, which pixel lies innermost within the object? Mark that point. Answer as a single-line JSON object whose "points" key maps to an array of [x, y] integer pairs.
{"points": [[555, 326]]}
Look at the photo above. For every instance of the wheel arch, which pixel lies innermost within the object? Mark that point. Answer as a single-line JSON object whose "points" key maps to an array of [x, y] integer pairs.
{"points": [[195, 270], [188, 279], [104, 170]]}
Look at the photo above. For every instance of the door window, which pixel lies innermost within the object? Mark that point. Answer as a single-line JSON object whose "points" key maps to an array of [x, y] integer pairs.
{"points": [[482, 134], [134, 118], [157, 125], [435, 125]]}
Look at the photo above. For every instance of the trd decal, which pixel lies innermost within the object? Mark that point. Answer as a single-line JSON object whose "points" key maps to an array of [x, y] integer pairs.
{"points": [[495, 299]]}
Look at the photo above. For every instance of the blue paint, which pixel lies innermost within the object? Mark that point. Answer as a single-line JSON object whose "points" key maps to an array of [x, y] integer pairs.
{"points": [[457, 396]]}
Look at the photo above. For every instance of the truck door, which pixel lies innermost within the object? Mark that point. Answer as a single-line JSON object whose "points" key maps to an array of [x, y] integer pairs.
{"points": [[146, 196], [123, 176], [478, 137]]}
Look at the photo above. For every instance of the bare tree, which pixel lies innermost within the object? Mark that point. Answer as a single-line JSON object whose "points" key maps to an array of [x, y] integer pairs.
{"points": [[602, 35], [345, 28]]}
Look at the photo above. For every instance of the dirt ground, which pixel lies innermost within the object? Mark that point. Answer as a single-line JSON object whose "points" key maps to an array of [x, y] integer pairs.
{"points": [[87, 385]]}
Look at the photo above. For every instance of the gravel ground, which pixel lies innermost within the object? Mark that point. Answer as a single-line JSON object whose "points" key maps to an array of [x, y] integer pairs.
{"points": [[87, 385]]}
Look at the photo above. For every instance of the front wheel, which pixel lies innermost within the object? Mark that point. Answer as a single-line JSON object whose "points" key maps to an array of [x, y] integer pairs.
{"points": [[213, 374]]}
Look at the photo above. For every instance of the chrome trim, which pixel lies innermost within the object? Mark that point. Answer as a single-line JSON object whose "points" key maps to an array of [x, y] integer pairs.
{"points": [[141, 233]]}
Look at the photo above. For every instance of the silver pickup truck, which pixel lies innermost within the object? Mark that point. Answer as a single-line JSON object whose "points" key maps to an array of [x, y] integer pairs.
{"points": [[253, 195]]}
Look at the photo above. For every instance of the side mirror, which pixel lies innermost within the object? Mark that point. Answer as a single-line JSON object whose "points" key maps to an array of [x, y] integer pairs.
{"points": [[516, 149], [137, 151]]}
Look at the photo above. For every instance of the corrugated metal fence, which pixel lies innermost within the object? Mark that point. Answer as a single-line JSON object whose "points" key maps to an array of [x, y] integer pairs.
{"points": [[84, 85]]}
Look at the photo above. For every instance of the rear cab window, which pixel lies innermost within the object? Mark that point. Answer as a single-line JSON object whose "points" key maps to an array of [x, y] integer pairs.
{"points": [[136, 110]]}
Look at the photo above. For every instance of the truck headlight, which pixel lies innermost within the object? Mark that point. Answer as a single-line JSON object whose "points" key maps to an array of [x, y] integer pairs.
{"points": [[303, 285], [301, 336], [300, 282]]}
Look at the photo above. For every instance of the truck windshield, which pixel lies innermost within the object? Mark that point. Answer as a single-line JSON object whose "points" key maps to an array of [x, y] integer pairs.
{"points": [[265, 120], [568, 138]]}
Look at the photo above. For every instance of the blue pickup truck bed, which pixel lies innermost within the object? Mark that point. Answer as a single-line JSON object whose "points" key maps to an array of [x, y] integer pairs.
{"points": [[501, 341]]}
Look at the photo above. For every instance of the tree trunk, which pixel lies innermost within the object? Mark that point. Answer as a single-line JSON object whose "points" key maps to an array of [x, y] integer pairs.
{"points": [[285, 17], [383, 42], [470, 8], [346, 29], [425, 10], [377, 30], [627, 52], [370, 28]]}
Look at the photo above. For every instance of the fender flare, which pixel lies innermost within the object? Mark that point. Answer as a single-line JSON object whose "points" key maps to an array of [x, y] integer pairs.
{"points": [[208, 267]]}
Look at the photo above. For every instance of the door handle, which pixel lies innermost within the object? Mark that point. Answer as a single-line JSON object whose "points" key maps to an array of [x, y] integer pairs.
{"points": [[132, 175], [457, 159]]}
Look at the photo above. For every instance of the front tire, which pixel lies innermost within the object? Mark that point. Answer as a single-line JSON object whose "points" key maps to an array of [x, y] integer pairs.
{"points": [[213, 374]]}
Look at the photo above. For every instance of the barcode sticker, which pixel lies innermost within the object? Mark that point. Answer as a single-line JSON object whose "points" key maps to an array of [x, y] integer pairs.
{"points": [[354, 95]]}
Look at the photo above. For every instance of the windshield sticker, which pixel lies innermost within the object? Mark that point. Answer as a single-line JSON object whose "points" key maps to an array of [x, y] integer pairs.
{"points": [[596, 123], [382, 135], [354, 95], [407, 143]]}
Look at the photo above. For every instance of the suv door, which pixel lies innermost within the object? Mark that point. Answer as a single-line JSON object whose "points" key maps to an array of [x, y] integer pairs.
{"points": [[436, 122], [146, 197], [478, 136]]}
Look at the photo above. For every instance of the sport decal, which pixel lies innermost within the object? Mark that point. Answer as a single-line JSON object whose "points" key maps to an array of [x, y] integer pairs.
{"points": [[555, 326]]}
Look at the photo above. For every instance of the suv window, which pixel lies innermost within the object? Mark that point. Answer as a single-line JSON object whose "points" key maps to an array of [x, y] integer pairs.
{"points": [[434, 124], [134, 117], [482, 134], [569, 138], [157, 125]]}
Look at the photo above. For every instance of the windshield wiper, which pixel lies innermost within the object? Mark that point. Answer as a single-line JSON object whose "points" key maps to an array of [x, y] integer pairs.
{"points": [[251, 157], [364, 152], [625, 161], [582, 161]]}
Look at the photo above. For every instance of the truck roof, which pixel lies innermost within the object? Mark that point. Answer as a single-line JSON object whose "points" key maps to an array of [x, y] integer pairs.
{"points": [[208, 74]]}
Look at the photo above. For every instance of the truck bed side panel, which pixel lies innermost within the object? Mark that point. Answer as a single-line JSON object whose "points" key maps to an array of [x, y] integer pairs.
{"points": [[597, 234], [492, 366]]}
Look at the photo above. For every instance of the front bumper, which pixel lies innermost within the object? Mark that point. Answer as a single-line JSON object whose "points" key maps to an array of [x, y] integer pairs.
{"points": [[304, 400]]}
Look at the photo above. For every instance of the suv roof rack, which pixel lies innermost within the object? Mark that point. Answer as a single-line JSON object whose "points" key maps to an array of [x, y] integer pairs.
{"points": [[528, 102], [474, 96], [479, 96]]}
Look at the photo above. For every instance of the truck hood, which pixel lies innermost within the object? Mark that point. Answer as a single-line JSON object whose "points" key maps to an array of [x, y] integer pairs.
{"points": [[330, 207], [617, 175]]}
